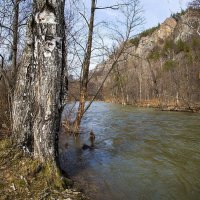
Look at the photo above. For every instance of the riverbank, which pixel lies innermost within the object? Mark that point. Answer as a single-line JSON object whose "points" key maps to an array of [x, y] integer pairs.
{"points": [[22, 177], [156, 104]]}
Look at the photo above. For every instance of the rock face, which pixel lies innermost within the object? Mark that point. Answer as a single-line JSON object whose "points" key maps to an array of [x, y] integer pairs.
{"points": [[147, 43], [188, 26], [166, 29], [162, 69]]}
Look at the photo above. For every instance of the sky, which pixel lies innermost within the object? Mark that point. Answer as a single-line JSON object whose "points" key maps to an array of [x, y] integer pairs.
{"points": [[155, 11]]}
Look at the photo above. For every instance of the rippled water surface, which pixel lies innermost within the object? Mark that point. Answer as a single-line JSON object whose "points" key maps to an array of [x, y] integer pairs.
{"points": [[139, 154]]}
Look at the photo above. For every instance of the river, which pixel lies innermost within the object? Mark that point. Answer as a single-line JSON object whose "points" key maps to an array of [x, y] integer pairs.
{"points": [[139, 154]]}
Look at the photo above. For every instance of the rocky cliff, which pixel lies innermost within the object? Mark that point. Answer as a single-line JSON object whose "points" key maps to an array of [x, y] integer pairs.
{"points": [[164, 31], [161, 67]]}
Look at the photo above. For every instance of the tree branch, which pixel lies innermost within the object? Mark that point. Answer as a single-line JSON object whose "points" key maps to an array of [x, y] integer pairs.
{"points": [[84, 18], [6, 27], [113, 7]]}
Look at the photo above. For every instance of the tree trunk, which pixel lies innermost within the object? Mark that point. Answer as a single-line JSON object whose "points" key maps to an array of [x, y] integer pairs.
{"points": [[39, 92], [154, 79], [85, 67], [15, 37]]}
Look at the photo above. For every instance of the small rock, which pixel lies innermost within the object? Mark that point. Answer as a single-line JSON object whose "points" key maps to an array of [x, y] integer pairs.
{"points": [[13, 187]]}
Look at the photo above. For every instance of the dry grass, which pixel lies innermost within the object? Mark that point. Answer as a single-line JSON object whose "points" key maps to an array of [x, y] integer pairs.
{"points": [[23, 177], [153, 103], [4, 110]]}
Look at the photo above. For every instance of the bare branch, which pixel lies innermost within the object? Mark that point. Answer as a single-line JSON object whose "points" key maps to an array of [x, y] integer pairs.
{"points": [[113, 7], [6, 27], [84, 18]]}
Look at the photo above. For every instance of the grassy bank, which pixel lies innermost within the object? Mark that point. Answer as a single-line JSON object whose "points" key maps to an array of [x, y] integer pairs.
{"points": [[21, 176]]}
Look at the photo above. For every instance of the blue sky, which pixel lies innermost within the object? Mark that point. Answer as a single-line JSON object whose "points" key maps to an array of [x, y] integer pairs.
{"points": [[155, 11]]}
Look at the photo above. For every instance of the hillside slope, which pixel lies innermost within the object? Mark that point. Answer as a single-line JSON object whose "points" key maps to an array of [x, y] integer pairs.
{"points": [[160, 69]]}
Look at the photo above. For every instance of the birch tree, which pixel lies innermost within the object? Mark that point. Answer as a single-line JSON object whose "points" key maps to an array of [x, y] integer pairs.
{"points": [[40, 88]]}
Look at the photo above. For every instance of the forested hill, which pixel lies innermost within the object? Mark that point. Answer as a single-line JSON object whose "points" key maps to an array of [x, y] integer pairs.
{"points": [[160, 68]]}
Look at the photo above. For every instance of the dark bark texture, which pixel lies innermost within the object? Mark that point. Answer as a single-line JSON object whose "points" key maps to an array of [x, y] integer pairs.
{"points": [[15, 37], [85, 68], [40, 91]]}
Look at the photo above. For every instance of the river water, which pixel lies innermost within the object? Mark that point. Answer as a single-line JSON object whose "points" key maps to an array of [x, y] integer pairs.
{"points": [[139, 154]]}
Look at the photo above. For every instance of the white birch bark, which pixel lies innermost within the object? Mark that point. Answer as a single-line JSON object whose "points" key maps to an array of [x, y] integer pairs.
{"points": [[39, 93]]}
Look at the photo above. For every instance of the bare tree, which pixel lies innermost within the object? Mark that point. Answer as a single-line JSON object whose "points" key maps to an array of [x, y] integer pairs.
{"points": [[85, 68], [12, 25], [194, 4], [15, 35], [131, 15]]}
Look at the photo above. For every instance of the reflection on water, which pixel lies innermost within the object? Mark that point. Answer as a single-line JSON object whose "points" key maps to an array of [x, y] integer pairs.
{"points": [[139, 154]]}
